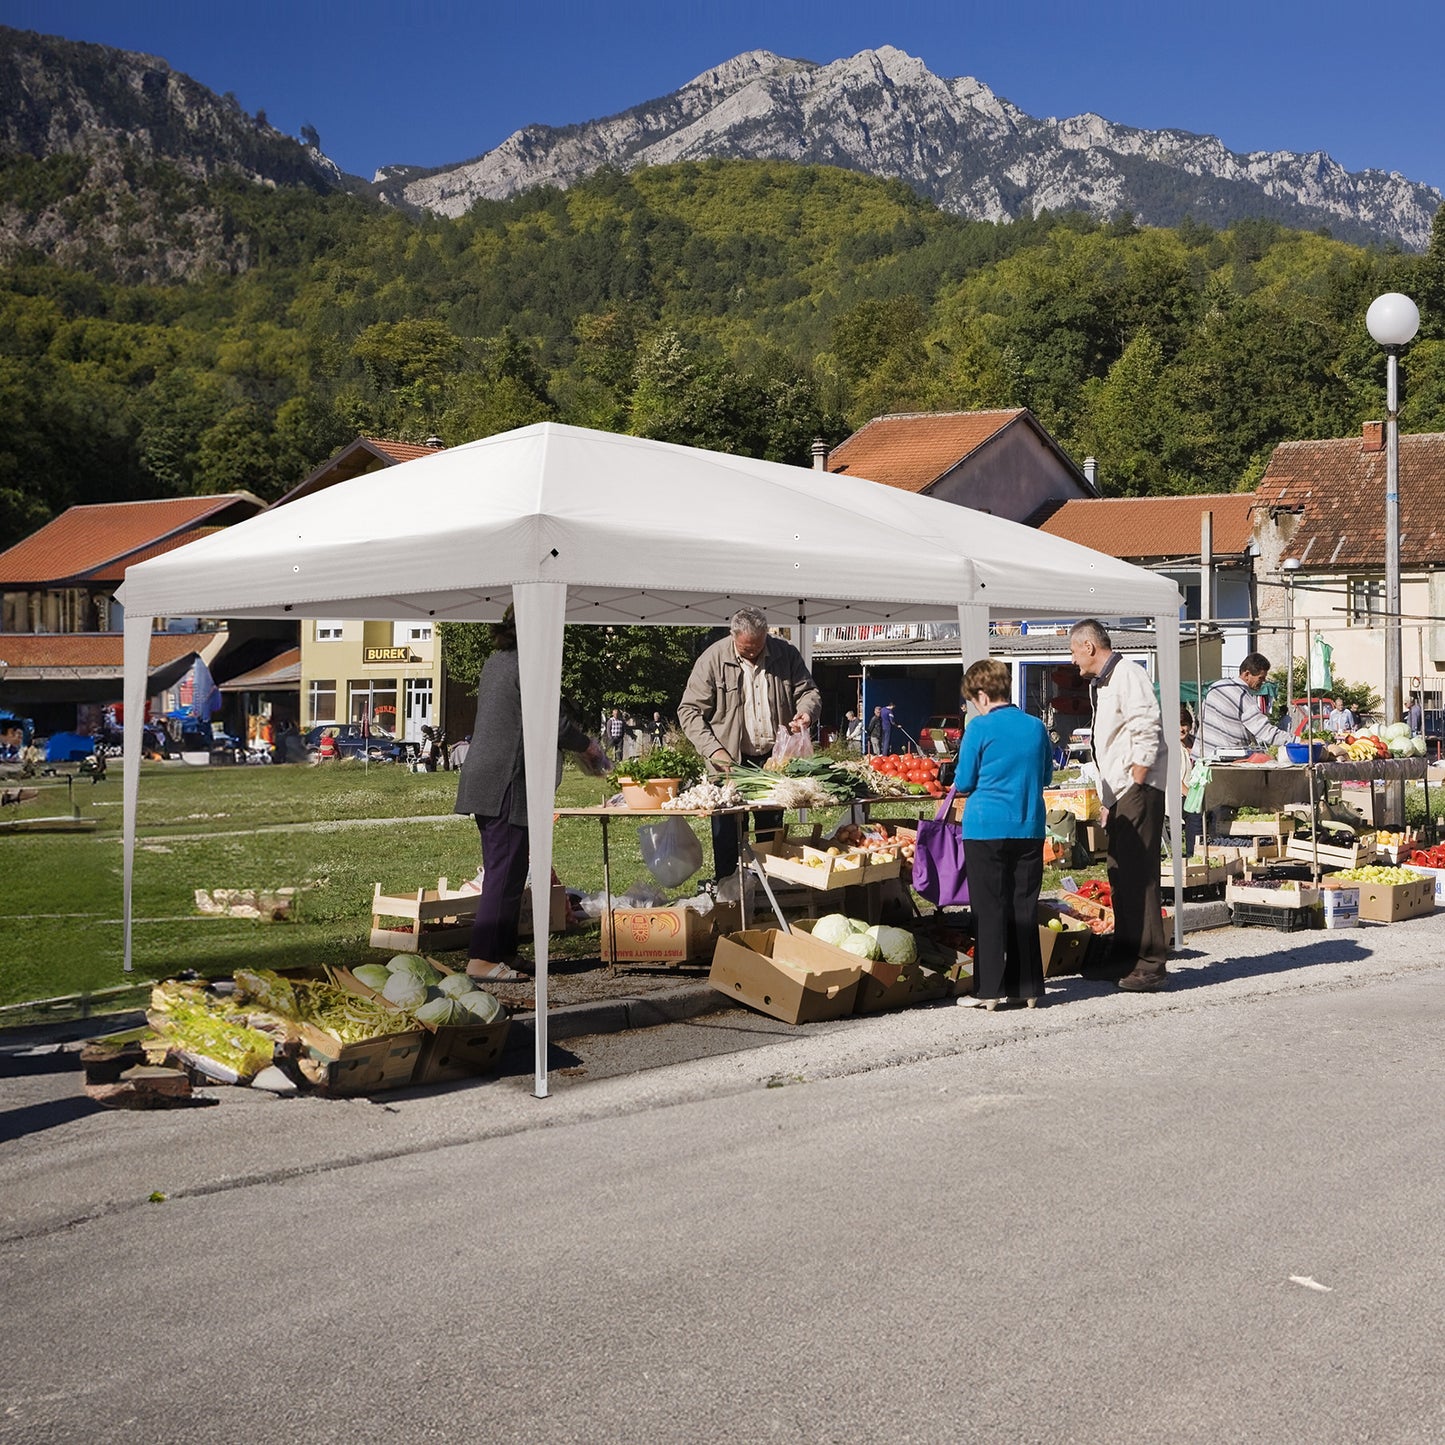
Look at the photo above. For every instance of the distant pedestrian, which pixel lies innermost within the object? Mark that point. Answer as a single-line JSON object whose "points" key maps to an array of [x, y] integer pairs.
{"points": [[1415, 717], [1340, 720], [616, 729], [886, 717], [853, 731], [875, 732], [655, 729]]}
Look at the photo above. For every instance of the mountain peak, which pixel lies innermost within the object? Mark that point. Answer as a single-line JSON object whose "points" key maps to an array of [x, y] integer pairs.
{"points": [[883, 112]]}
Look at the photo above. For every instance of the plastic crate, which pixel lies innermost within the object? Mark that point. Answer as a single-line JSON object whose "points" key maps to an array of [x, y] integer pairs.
{"points": [[1282, 920]]}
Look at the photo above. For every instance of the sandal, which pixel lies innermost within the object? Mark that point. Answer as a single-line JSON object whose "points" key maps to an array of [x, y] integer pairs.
{"points": [[495, 973]]}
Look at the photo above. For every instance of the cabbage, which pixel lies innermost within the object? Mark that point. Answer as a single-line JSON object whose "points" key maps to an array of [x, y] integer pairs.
{"points": [[861, 944], [441, 1011], [1396, 730], [405, 991], [410, 966], [896, 945], [374, 975], [834, 928], [483, 1006], [454, 985]]}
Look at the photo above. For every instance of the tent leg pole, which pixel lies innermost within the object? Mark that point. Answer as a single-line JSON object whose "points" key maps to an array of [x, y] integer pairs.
{"points": [[609, 923]]}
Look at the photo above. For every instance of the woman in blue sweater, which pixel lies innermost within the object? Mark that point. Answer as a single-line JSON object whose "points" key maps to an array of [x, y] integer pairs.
{"points": [[1005, 763]]}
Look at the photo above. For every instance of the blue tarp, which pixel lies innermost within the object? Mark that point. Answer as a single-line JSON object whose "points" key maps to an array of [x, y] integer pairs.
{"points": [[68, 747]]}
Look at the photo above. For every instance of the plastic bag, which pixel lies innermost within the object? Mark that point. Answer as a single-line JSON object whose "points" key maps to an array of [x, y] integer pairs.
{"points": [[670, 851], [788, 745]]}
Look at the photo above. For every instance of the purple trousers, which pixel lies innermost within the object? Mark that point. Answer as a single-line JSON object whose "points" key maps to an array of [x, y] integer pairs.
{"points": [[505, 851]]}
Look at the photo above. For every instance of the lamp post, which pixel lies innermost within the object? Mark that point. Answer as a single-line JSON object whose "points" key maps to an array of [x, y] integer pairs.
{"points": [[1392, 321]]}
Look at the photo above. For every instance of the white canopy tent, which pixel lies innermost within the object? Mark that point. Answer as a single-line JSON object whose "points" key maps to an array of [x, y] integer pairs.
{"points": [[579, 526]]}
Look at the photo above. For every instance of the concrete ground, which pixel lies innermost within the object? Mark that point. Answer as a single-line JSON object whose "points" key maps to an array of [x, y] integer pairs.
{"points": [[1207, 1214]]}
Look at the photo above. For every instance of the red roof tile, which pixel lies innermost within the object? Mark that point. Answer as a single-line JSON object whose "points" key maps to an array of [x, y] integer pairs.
{"points": [[355, 459], [93, 541], [914, 451], [400, 451], [1338, 490], [28, 650], [1155, 527]]}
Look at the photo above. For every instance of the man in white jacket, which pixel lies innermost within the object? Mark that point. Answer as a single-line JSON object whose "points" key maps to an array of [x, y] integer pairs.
{"points": [[1131, 755]]}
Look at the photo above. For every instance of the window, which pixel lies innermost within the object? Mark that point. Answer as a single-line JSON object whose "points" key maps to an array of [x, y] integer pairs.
{"points": [[1367, 600], [405, 632], [373, 701], [321, 700], [328, 631]]}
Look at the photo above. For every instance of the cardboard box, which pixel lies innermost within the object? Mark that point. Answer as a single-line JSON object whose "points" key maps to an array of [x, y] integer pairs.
{"points": [[1394, 902], [387, 1062], [790, 976], [664, 935], [441, 917], [1096, 839], [1083, 803], [1291, 893], [887, 986], [1342, 904], [451, 1051], [1063, 952], [1438, 874]]}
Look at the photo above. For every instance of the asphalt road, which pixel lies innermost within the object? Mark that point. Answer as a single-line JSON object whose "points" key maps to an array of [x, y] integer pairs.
{"points": [[1211, 1215]]}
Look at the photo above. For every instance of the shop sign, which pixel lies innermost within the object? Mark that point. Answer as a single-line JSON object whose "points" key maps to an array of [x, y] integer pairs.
{"points": [[386, 654]]}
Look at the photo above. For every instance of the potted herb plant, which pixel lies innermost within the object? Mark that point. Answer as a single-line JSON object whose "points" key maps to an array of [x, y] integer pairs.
{"points": [[652, 777]]}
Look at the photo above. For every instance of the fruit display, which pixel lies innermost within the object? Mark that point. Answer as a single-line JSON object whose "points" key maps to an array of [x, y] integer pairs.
{"points": [[911, 768], [1390, 740], [1428, 857], [1382, 874]]}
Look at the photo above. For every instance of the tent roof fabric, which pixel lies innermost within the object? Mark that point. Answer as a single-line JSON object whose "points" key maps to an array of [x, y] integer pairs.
{"points": [[96, 543], [1156, 527], [553, 503]]}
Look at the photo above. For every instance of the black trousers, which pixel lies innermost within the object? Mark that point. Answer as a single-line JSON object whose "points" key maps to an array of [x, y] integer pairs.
{"points": [[1004, 875], [725, 830], [1136, 834], [505, 856]]}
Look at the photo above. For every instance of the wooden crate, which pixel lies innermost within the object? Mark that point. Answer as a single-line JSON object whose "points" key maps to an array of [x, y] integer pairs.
{"points": [[441, 917], [1304, 850], [1277, 826]]}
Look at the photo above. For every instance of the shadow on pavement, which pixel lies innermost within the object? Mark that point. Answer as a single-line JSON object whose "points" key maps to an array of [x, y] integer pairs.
{"points": [[34, 1118]]}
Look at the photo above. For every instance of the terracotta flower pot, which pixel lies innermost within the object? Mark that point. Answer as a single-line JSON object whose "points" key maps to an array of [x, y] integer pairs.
{"points": [[651, 794]]}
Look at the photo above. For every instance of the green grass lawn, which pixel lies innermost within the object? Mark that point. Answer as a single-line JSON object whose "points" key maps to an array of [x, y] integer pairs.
{"points": [[207, 828]]}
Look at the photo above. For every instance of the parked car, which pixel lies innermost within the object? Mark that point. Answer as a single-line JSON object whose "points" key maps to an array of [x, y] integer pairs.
{"points": [[351, 742], [942, 733]]}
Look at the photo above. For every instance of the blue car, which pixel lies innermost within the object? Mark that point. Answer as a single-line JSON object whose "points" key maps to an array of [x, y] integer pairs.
{"points": [[351, 742]]}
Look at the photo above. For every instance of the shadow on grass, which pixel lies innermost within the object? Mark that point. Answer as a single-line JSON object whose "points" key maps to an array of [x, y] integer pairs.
{"points": [[34, 1118]]}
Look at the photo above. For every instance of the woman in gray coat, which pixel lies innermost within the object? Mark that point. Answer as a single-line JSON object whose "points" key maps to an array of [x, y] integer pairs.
{"points": [[493, 789]]}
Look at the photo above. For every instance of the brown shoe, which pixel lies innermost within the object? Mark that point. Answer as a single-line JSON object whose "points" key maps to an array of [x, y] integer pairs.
{"points": [[1137, 982]]}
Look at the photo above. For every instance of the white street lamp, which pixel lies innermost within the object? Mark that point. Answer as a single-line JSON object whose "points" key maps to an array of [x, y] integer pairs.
{"points": [[1392, 321]]}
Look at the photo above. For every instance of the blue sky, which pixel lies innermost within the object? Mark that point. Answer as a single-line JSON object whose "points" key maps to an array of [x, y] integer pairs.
{"points": [[432, 83]]}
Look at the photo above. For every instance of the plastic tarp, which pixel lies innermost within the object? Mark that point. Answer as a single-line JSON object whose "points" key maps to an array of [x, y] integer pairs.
{"points": [[581, 526]]}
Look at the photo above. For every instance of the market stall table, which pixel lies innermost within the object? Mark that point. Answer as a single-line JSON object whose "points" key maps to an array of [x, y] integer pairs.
{"points": [[1271, 786]]}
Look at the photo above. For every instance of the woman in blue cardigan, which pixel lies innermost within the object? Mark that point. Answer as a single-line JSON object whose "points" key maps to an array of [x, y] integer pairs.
{"points": [[1005, 763]]}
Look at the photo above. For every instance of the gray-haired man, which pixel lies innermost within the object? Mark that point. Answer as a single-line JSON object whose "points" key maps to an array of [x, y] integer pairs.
{"points": [[741, 691]]}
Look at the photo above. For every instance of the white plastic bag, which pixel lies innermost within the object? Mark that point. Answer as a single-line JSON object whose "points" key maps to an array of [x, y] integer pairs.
{"points": [[788, 745], [670, 851]]}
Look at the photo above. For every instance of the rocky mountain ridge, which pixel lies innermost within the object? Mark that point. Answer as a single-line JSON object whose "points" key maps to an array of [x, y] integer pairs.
{"points": [[974, 153]]}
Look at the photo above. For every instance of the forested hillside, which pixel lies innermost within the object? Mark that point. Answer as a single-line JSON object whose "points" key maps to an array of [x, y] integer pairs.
{"points": [[740, 305]]}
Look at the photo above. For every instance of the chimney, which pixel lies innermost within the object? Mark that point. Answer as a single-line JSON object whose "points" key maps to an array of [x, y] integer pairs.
{"points": [[1374, 437], [820, 455], [435, 443], [1091, 471]]}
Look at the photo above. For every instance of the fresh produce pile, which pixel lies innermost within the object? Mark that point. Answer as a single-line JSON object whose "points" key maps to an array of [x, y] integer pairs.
{"points": [[1390, 740], [875, 841], [911, 768], [878, 943], [437, 999], [816, 782], [1376, 873], [323, 1004], [1335, 835], [198, 1022], [706, 795], [1428, 857]]}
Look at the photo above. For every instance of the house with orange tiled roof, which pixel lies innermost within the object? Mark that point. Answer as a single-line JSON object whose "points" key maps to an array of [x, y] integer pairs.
{"points": [[1322, 504], [1002, 462], [1204, 542], [60, 625], [383, 672]]}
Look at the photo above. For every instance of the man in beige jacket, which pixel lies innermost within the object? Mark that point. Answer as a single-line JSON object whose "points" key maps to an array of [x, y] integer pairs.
{"points": [[740, 692], [1133, 763]]}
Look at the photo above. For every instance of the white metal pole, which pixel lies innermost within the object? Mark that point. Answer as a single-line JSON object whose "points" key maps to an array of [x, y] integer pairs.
{"points": [[1392, 539]]}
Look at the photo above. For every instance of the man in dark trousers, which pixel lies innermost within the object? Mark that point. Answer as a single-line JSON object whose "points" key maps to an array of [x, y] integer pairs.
{"points": [[741, 691], [1133, 763]]}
